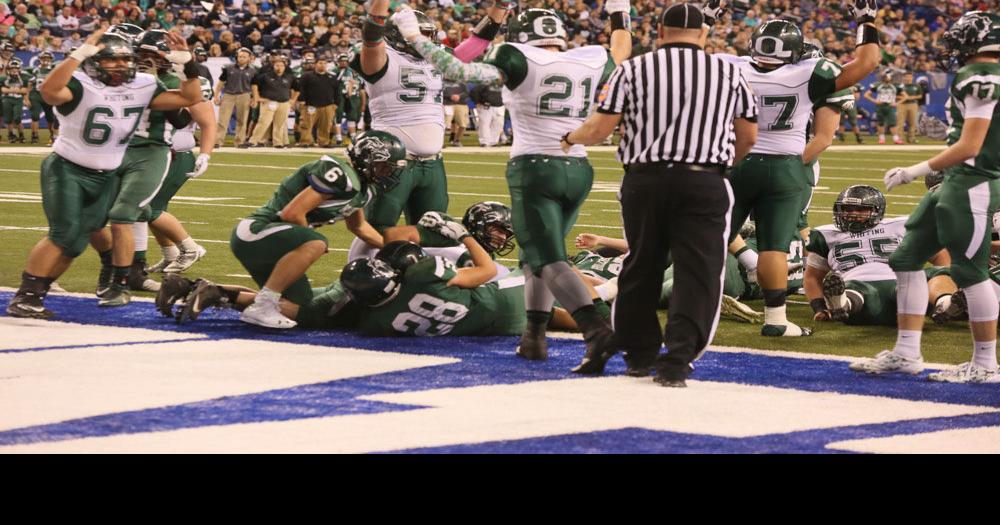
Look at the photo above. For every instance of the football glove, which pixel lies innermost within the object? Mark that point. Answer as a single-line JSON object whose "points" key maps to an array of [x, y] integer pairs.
{"points": [[444, 225], [713, 9], [865, 11], [200, 166], [899, 176], [406, 20], [617, 6]]}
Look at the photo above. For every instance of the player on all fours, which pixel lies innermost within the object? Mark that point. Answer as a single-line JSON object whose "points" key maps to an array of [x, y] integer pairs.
{"points": [[279, 242], [547, 185], [99, 108], [848, 277], [957, 215], [770, 182]]}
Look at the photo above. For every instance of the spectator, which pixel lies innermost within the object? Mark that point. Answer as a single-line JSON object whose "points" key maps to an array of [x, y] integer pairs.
{"points": [[489, 113], [319, 91], [273, 94], [67, 21], [456, 110]]}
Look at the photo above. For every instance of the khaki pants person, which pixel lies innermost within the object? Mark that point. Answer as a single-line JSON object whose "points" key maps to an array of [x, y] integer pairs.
{"points": [[275, 113], [322, 118], [241, 103], [907, 115]]}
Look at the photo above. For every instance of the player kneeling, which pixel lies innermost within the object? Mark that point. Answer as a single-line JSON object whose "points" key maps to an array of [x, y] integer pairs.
{"points": [[279, 242]]}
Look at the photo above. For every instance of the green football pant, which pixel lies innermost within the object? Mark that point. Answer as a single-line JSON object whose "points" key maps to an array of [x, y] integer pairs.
{"points": [[329, 308], [422, 187], [880, 303], [38, 107], [958, 217], [546, 194], [143, 171], [75, 200], [886, 115], [260, 245], [180, 166], [772, 187], [12, 109]]}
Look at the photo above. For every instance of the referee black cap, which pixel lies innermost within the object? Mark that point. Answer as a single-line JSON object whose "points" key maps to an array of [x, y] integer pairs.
{"points": [[683, 16]]}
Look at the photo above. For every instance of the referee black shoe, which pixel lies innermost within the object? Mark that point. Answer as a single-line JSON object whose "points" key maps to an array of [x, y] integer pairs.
{"points": [[639, 366], [532, 345], [672, 376]]}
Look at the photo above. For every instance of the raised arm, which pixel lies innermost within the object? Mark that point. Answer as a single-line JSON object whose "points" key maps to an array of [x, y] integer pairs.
{"points": [[185, 67], [868, 53], [484, 32], [55, 90], [451, 67], [373, 57], [621, 29]]}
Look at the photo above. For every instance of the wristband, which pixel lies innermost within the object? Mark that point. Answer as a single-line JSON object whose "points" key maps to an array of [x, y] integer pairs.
{"points": [[487, 29], [372, 30], [868, 34], [84, 52], [621, 20], [565, 138], [818, 305]]}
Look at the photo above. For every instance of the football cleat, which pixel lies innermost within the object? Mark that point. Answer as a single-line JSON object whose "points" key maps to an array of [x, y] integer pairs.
{"points": [[533, 345], [788, 330], [173, 289], [159, 266], [104, 281], [953, 310], [834, 293], [737, 311], [600, 339], [185, 260], [28, 305], [266, 315], [205, 294], [116, 295], [139, 282], [887, 362], [966, 373]]}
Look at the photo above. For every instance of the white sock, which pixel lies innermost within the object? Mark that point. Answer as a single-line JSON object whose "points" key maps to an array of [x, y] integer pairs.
{"points": [[895, 137], [170, 253], [267, 295], [748, 260], [775, 315], [140, 233], [908, 344], [984, 354], [607, 291], [912, 293], [188, 245]]}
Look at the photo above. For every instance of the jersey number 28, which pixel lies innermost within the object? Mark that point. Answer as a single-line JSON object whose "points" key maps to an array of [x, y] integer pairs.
{"points": [[429, 315]]}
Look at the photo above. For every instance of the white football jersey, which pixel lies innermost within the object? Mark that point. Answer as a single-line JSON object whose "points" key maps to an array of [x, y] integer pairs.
{"points": [[785, 98], [96, 126], [183, 139], [556, 96], [859, 256], [408, 92]]}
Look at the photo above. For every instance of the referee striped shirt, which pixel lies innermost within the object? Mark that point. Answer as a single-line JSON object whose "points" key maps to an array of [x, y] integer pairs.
{"points": [[678, 104]]}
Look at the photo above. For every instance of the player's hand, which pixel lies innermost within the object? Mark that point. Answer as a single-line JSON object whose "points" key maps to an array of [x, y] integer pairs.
{"points": [[406, 20], [176, 42], [865, 11], [200, 166], [713, 10], [617, 6], [899, 176], [89, 48], [587, 241], [444, 225]]}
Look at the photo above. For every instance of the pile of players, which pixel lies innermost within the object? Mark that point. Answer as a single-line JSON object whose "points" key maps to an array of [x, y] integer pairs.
{"points": [[396, 284]]}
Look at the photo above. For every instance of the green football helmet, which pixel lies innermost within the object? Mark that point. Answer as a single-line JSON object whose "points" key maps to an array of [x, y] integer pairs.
{"points": [[130, 31], [776, 43], [6, 50], [149, 47], [401, 254], [539, 28], [490, 225], [395, 39], [46, 58], [115, 47], [378, 157], [858, 208], [14, 66], [370, 282], [975, 32]]}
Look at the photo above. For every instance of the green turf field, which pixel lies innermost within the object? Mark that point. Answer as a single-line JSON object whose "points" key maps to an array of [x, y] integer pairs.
{"points": [[239, 181]]}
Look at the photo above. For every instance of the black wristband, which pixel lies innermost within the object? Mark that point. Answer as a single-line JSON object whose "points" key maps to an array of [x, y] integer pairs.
{"points": [[868, 34], [487, 29], [621, 20], [565, 138], [818, 305], [191, 68], [372, 30]]}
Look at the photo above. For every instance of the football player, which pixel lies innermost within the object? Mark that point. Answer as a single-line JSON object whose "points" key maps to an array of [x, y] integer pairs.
{"points": [[142, 174], [847, 273], [279, 242], [14, 85], [351, 99], [849, 114], [6, 55], [886, 92], [957, 215], [36, 105], [99, 108], [547, 185], [771, 181]]}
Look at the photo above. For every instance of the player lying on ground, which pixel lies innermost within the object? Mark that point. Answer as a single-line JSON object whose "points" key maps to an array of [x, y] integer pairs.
{"points": [[957, 215], [848, 277], [280, 241]]}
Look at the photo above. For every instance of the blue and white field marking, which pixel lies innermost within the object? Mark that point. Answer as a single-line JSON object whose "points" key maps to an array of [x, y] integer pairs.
{"points": [[128, 380]]}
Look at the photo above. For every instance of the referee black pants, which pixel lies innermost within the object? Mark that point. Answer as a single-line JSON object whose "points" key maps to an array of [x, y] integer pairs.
{"points": [[678, 211]]}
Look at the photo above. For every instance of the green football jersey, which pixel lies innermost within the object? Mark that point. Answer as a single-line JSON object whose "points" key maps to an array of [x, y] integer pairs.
{"points": [[350, 88], [22, 80], [981, 81], [38, 75], [593, 264], [335, 179], [885, 92], [427, 306], [153, 126]]}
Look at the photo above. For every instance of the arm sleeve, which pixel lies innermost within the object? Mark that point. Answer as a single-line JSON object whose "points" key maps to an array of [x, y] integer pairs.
{"points": [[76, 88], [614, 96], [823, 81], [976, 107], [470, 49], [817, 261], [453, 69], [178, 118], [817, 244], [326, 177]]}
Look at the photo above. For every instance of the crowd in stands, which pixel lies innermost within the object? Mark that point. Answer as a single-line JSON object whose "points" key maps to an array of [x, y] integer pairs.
{"points": [[911, 28]]}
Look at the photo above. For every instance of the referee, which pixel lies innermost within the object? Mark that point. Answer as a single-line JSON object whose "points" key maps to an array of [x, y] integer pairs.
{"points": [[688, 116]]}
